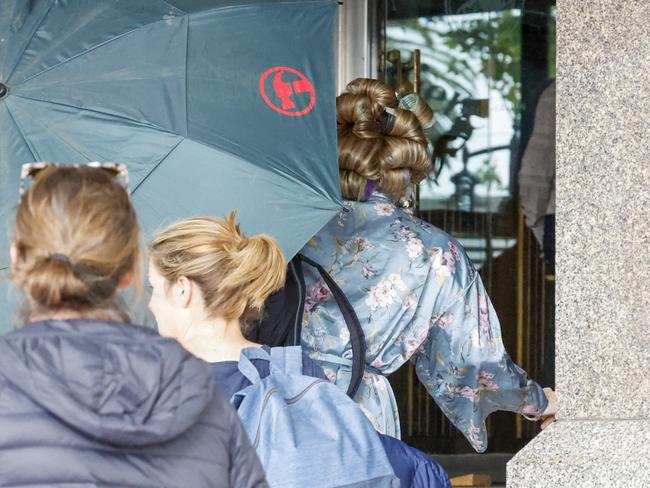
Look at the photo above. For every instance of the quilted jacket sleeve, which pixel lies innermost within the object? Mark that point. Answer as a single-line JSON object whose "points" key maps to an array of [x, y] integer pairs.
{"points": [[245, 468]]}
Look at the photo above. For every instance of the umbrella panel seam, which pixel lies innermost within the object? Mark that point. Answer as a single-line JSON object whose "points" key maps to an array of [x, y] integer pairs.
{"points": [[187, 49], [65, 143], [140, 123], [20, 131], [96, 46], [31, 37], [150, 172]]}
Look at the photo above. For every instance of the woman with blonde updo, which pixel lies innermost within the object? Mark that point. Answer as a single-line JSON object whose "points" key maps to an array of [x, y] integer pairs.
{"points": [[415, 291], [380, 145], [86, 398]]}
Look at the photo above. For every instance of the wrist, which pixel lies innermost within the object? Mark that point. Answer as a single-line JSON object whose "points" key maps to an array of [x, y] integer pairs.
{"points": [[529, 412]]}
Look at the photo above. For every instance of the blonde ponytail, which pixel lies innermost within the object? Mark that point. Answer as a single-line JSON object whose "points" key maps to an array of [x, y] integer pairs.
{"points": [[236, 274], [259, 270]]}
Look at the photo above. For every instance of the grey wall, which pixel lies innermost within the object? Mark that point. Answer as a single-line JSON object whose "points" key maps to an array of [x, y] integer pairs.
{"points": [[603, 172], [603, 271]]}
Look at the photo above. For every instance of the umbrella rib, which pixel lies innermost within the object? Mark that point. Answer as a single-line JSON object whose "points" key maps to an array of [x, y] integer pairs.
{"points": [[187, 49], [156, 166], [20, 131], [92, 48], [36, 27], [147, 124]]}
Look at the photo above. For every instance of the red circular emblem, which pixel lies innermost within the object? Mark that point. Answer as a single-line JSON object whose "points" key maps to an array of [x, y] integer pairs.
{"points": [[287, 91]]}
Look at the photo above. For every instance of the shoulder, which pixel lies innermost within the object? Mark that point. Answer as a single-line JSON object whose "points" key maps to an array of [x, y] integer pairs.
{"points": [[14, 401], [408, 227], [447, 256], [384, 217], [293, 360], [220, 413], [382, 231]]}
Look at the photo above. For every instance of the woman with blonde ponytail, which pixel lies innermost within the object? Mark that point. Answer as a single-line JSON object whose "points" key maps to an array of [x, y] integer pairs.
{"points": [[209, 284], [87, 398], [415, 291]]}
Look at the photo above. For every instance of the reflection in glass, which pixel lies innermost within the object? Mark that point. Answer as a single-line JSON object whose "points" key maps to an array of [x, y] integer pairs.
{"points": [[470, 77], [483, 64]]}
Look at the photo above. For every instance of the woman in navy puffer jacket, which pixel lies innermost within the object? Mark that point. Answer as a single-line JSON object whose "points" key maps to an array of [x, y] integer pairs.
{"points": [[87, 399]]}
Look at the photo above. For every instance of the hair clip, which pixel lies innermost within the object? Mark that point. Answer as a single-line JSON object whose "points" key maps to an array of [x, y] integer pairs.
{"points": [[386, 120], [410, 102]]}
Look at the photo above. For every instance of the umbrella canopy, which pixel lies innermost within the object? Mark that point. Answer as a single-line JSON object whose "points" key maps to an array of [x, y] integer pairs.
{"points": [[213, 105]]}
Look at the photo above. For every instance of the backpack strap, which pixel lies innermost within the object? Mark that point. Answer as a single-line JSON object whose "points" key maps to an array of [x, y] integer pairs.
{"points": [[295, 268], [286, 360], [357, 336], [245, 365]]}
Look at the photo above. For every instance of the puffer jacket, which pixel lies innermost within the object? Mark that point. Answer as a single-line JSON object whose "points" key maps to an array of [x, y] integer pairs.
{"points": [[93, 403]]}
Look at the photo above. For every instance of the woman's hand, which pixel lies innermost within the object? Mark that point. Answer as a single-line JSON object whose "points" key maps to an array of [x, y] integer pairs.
{"points": [[547, 421], [548, 415]]}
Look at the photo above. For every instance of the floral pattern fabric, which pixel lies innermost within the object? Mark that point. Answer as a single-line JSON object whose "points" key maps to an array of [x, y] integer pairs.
{"points": [[418, 297]]}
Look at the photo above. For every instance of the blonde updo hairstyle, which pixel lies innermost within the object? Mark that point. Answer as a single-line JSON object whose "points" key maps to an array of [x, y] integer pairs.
{"points": [[392, 160], [235, 273], [76, 236]]}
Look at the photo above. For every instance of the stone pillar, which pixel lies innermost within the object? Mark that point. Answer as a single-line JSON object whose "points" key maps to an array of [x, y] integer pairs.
{"points": [[602, 437]]}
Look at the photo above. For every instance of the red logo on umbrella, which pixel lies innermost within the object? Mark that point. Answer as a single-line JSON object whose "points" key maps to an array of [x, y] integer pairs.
{"points": [[291, 92]]}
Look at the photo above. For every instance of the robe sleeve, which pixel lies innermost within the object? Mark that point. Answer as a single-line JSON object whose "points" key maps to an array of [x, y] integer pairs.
{"points": [[464, 365]]}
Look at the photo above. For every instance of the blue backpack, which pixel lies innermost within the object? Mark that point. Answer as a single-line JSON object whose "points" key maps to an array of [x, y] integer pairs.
{"points": [[307, 432]]}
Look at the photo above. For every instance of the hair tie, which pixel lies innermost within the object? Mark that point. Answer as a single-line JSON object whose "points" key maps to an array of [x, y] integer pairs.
{"points": [[59, 257], [369, 189]]}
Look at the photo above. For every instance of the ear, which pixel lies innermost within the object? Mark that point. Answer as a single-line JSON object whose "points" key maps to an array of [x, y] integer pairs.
{"points": [[13, 254], [183, 291], [125, 281]]}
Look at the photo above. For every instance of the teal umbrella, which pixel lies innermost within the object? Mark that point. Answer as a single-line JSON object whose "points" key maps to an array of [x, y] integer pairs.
{"points": [[213, 105]]}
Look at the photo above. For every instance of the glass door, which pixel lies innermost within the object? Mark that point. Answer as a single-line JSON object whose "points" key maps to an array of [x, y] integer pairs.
{"points": [[482, 66]]}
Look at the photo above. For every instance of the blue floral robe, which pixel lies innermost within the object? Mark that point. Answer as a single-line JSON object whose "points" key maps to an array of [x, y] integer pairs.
{"points": [[418, 297]]}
